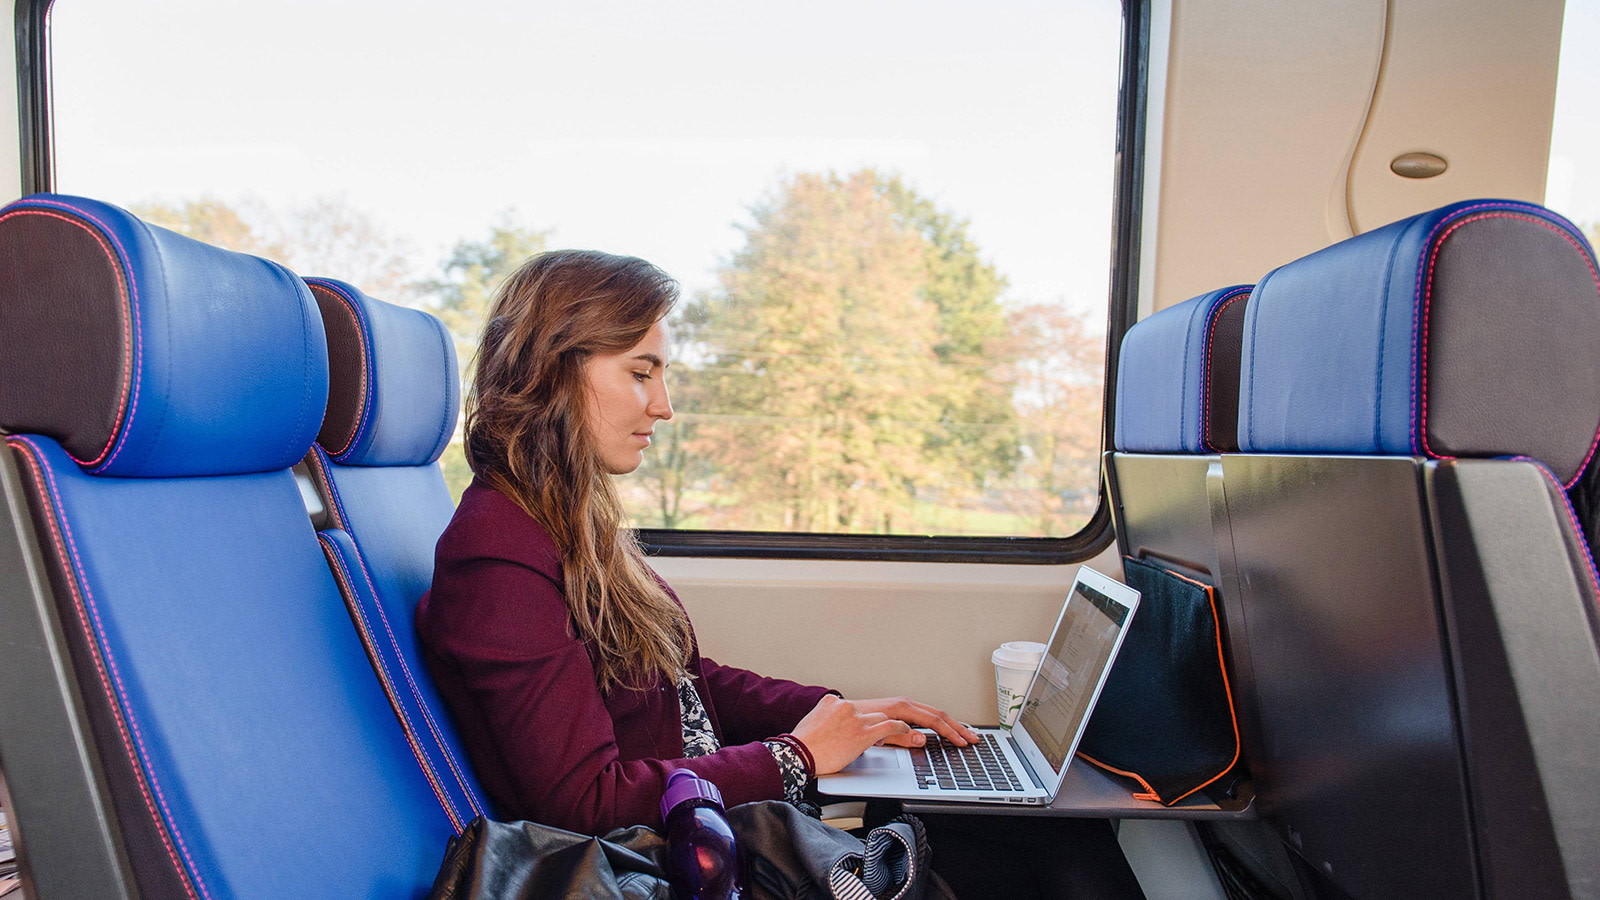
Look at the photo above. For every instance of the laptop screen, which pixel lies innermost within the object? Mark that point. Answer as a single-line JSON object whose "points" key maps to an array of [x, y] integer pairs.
{"points": [[1069, 674]]}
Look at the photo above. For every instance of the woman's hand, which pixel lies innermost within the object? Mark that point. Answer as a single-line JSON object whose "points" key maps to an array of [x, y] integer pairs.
{"points": [[836, 731], [918, 715]]}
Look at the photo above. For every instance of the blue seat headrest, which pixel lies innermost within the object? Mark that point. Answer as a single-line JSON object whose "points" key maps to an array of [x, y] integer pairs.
{"points": [[1178, 376], [1471, 330], [146, 353], [394, 390]]}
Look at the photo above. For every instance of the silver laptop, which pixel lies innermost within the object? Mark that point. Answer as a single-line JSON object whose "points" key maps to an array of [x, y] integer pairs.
{"points": [[1027, 763]]}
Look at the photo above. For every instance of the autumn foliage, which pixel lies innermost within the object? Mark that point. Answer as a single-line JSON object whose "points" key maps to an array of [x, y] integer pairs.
{"points": [[856, 368], [856, 371]]}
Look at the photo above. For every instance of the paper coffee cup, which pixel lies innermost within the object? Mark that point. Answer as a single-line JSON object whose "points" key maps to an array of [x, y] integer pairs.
{"points": [[1014, 665]]}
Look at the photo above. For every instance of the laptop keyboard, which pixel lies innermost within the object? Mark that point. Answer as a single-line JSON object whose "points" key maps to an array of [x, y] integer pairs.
{"points": [[975, 767]]}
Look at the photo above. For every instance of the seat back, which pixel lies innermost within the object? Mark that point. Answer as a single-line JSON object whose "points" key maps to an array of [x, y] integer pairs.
{"points": [[1422, 625], [393, 398], [1178, 376], [158, 391], [1177, 408]]}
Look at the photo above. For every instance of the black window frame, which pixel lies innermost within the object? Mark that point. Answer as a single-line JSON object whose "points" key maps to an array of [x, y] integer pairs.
{"points": [[38, 174], [34, 125]]}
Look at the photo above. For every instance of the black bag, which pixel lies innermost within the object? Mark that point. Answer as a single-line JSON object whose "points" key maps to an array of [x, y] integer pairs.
{"points": [[1165, 718], [786, 855]]}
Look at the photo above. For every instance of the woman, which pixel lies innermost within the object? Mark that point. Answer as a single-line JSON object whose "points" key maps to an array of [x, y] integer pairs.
{"points": [[572, 669]]}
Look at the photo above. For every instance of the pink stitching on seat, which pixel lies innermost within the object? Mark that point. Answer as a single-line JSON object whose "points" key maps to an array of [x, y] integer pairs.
{"points": [[1416, 299], [138, 357], [1427, 297], [336, 563], [123, 420], [349, 305], [120, 713], [339, 514], [1572, 519], [416, 692], [335, 509], [1205, 376]]}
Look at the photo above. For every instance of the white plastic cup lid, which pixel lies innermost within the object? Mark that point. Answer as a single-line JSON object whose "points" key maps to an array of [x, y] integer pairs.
{"points": [[1019, 654]]}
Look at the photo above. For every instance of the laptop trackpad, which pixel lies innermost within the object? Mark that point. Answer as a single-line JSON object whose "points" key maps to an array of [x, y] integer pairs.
{"points": [[876, 759]]}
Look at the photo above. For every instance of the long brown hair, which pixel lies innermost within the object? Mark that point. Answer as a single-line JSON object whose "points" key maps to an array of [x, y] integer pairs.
{"points": [[527, 436]]}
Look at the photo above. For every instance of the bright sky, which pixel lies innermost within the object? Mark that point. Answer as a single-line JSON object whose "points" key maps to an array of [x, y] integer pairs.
{"points": [[643, 128], [1573, 187]]}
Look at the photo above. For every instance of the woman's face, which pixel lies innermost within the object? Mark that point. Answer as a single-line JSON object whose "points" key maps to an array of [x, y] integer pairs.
{"points": [[627, 396]]}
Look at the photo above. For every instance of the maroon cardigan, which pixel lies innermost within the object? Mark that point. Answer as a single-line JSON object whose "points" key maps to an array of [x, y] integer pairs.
{"points": [[547, 745]]}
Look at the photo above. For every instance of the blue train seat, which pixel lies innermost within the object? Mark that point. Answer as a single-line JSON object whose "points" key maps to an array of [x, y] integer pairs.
{"points": [[1420, 605], [191, 642], [1460, 332], [1176, 408], [393, 398], [1178, 376]]}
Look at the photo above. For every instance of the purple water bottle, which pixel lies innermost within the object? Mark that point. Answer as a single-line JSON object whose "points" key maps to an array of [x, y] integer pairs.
{"points": [[702, 862]]}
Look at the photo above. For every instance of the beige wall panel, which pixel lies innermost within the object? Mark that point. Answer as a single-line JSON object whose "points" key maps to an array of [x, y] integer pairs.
{"points": [[1472, 82], [1277, 123], [873, 628], [1263, 103]]}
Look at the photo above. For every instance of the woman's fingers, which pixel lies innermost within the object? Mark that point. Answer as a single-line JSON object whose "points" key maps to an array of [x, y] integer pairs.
{"points": [[924, 716], [882, 728], [909, 739], [949, 728], [886, 729], [836, 730]]}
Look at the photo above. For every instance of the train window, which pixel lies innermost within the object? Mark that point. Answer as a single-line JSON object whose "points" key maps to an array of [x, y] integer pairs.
{"points": [[1573, 188], [892, 221]]}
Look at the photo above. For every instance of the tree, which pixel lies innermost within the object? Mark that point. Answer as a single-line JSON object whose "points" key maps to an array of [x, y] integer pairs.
{"points": [[325, 237], [1059, 377], [831, 366], [472, 273], [973, 332], [329, 237], [670, 488], [215, 222]]}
